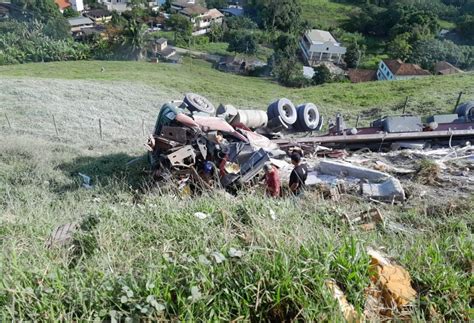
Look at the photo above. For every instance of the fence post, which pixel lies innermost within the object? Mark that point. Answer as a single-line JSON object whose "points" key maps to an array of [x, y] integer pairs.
{"points": [[405, 105], [100, 128], [8, 121], [55, 126]]}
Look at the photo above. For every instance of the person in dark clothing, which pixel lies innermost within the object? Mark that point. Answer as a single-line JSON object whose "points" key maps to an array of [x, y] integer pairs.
{"points": [[298, 175]]}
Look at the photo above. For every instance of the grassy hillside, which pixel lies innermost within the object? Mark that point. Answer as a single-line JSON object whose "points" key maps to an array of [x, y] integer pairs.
{"points": [[427, 95], [325, 13], [143, 255]]}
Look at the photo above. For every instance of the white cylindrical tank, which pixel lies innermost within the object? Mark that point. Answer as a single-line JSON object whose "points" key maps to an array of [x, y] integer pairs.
{"points": [[251, 118]]}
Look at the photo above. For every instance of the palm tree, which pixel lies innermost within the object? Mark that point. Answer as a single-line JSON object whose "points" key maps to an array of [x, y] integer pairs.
{"points": [[136, 38]]}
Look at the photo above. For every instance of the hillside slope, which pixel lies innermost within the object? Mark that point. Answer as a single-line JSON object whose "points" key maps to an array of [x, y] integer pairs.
{"points": [[142, 254], [427, 95]]}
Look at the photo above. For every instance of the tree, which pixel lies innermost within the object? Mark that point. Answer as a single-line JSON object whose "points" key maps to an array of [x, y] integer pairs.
{"points": [[466, 26], [216, 4], [135, 38], [243, 43], [321, 75], [427, 52], [46, 12], [354, 54], [240, 22], [400, 46], [69, 12], [283, 15], [216, 32], [183, 29]]}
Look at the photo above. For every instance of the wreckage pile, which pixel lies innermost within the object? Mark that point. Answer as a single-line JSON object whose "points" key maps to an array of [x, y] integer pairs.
{"points": [[202, 147], [221, 150]]}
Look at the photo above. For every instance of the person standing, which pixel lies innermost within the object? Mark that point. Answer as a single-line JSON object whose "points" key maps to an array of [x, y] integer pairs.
{"points": [[272, 181], [298, 175]]}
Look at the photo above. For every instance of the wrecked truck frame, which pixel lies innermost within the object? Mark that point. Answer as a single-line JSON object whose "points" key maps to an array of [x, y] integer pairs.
{"points": [[186, 143]]}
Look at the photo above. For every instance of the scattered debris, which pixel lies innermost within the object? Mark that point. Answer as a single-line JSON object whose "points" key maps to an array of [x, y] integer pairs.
{"points": [[218, 257], [195, 294], [198, 151], [234, 253], [347, 309], [201, 215], [393, 280], [86, 181], [368, 220], [62, 236], [387, 191]]}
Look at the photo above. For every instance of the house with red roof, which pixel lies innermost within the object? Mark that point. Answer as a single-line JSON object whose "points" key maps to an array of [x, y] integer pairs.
{"points": [[395, 69]]}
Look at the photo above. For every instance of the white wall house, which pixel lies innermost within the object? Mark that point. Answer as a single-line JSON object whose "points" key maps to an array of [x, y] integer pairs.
{"points": [[320, 46], [202, 18], [395, 69], [77, 5]]}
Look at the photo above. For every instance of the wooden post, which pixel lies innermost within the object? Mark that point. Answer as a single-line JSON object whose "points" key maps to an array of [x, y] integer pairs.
{"points": [[100, 129], [405, 105], [8, 121], [357, 121], [458, 100], [143, 127], [55, 126]]}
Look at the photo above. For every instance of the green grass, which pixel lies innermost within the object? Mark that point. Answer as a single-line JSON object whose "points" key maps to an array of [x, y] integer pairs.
{"points": [[427, 95], [325, 13], [148, 251]]}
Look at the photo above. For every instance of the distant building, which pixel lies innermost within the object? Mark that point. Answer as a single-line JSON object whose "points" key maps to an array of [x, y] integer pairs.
{"points": [[99, 16], [162, 49], [444, 68], [77, 5], [201, 18], [395, 69], [320, 46], [240, 65], [360, 75], [62, 4], [79, 23]]}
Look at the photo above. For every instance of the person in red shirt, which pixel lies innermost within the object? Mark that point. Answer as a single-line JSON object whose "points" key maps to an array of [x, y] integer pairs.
{"points": [[272, 181]]}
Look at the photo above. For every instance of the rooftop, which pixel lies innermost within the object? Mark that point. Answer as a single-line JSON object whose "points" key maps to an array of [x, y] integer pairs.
{"points": [[445, 68], [360, 75], [98, 13], [161, 41], [79, 21], [62, 4], [194, 10], [320, 36], [397, 67], [214, 13]]}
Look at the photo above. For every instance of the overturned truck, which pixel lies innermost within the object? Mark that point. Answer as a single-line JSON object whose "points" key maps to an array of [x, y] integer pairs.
{"points": [[189, 143], [199, 145]]}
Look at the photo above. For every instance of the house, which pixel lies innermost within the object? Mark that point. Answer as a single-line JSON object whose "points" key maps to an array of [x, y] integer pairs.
{"points": [[395, 69], [320, 46], [117, 5], [161, 48], [444, 68], [79, 23], [201, 18], [246, 66], [357, 75], [99, 16], [62, 4], [178, 5]]}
